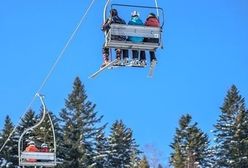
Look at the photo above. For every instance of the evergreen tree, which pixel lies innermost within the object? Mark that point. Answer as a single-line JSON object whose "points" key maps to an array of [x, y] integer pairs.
{"points": [[44, 133], [79, 129], [101, 151], [240, 140], [8, 156], [231, 131], [122, 146], [29, 120], [144, 163], [190, 145], [134, 163], [177, 157]]}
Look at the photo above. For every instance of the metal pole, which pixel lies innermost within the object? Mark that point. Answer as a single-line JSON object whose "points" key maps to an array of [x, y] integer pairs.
{"points": [[156, 4]]}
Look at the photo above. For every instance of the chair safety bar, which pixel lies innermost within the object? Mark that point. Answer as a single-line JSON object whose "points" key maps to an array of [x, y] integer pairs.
{"points": [[38, 155], [136, 31]]}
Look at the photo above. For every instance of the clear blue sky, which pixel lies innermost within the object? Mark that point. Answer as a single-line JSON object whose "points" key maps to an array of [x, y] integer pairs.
{"points": [[206, 51]]}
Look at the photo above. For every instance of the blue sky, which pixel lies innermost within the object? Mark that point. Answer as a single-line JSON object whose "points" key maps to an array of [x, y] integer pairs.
{"points": [[205, 52]]}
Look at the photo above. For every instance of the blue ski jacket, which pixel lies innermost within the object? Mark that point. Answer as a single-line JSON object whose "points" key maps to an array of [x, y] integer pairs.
{"points": [[135, 21]]}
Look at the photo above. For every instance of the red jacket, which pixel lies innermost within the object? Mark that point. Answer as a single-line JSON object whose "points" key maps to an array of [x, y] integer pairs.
{"points": [[152, 21], [44, 149]]}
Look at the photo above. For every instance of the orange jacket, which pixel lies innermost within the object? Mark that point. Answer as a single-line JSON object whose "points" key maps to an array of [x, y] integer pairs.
{"points": [[31, 148]]}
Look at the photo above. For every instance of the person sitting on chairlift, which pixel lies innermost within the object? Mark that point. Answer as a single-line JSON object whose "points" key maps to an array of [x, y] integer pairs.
{"points": [[114, 18], [44, 148], [152, 21], [135, 20], [31, 148]]}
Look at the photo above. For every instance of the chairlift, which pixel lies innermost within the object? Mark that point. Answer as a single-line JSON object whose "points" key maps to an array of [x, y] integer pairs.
{"points": [[134, 30], [42, 159]]}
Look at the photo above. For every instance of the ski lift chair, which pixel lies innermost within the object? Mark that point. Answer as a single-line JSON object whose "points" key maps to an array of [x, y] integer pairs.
{"points": [[134, 30], [39, 159]]}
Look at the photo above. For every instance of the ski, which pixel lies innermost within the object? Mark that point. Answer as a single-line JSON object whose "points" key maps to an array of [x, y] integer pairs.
{"points": [[103, 68], [151, 69], [127, 65]]}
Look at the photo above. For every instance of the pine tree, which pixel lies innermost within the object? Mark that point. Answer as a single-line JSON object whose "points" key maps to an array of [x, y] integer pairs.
{"points": [[144, 163], [29, 120], [231, 131], [44, 132], [134, 161], [240, 140], [178, 159], [79, 128], [8, 156], [190, 145], [122, 146], [101, 151]]}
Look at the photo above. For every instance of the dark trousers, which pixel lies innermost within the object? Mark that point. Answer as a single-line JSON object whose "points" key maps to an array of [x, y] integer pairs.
{"points": [[136, 54], [119, 52], [152, 53]]}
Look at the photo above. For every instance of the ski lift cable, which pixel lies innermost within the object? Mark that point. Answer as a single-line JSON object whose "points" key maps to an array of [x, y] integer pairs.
{"points": [[65, 47], [51, 69]]}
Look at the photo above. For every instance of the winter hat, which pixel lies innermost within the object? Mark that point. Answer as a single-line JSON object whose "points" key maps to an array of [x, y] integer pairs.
{"points": [[113, 12], [151, 15], [135, 13], [31, 143], [44, 145]]}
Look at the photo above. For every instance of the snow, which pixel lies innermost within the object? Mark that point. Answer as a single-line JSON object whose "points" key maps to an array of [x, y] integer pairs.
{"points": [[100, 156], [42, 128], [3, 161]]}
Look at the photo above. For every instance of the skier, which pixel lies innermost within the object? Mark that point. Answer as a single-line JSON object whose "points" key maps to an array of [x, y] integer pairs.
{"points": [[44, 148], [31, 148], [153, 21], [114, 18], [135, 20]]}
